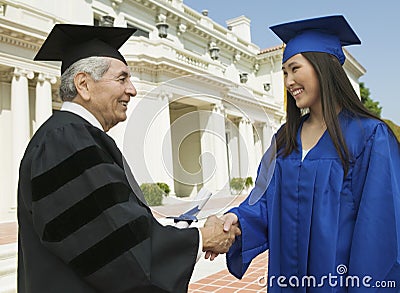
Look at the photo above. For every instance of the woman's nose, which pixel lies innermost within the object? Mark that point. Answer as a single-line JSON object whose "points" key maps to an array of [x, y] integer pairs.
{"points": [[289, 81]]}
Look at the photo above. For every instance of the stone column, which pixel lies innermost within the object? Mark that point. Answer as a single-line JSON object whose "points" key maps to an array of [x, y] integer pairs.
{"points": [[258, 142], [267, 133], [243, 150], [43, 106], [20, 122], [146, 139], [214, 159], [162, 154], [252, 152], [221, 154], [246, 149]]}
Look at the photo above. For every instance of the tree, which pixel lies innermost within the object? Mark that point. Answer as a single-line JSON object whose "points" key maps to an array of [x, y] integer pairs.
{"points": [[368, 102], [376, 109], [394, 127]]}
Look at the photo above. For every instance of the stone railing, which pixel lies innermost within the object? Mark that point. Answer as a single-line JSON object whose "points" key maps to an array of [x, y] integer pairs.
{"points": [[191, 60]]}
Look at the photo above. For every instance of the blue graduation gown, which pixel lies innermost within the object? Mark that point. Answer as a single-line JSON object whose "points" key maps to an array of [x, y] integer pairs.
{"points": [[316, 222]]}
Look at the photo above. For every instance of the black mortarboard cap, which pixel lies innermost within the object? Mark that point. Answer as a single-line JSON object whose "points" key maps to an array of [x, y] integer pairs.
{"points": [[323, 34], [69, 43]]}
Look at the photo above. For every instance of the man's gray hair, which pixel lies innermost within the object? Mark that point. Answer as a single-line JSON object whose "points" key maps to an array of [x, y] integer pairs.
{"points": [[95, 66]]}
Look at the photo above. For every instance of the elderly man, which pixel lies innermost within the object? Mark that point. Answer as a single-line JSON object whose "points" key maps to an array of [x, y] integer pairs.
{"points": [[82, 226]]}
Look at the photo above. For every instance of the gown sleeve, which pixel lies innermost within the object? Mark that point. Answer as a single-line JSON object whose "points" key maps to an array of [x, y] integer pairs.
{"points": [[253, 220], [375, 250], [85, 212]]}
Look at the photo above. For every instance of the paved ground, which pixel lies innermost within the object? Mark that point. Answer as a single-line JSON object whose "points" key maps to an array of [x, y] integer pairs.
{"points": [[221, 281], [8, 233], [207, 276]]}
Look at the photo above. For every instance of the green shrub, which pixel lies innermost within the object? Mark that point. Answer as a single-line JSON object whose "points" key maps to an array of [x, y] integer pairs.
{"points": [[164, 187], [152, 193], [237, 184], [249, 182]]}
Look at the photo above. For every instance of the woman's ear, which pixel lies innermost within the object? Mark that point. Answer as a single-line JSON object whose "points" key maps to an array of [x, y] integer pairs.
{"points": [[81, 81]]}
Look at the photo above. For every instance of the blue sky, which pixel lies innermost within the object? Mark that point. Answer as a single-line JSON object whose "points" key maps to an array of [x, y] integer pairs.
{"points": [[377, 23]]}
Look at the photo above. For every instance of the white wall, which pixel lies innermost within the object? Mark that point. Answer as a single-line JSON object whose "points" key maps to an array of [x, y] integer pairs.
{"points": [[186, 151], [147, 142]]}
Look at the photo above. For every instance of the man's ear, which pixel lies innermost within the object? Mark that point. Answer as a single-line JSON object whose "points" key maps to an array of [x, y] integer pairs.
{"points": [[81, 81]]}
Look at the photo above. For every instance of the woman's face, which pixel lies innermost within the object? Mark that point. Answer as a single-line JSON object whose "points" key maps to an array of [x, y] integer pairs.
{"points": [[302, 81]]}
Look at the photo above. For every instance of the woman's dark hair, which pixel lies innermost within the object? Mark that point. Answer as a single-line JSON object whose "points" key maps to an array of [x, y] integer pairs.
{"points": [[336, 91]]}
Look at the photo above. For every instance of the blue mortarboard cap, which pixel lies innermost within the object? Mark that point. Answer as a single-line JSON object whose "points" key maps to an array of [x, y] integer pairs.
{"points": [[323, 34]]}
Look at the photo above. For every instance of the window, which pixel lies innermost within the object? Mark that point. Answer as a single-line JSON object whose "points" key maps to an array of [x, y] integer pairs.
{"points": [[139, 32], [96, 20]]}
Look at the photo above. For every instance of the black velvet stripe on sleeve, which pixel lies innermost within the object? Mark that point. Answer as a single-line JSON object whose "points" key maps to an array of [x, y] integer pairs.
{"points": [[67, 170], [85, 211], [111, 247]]}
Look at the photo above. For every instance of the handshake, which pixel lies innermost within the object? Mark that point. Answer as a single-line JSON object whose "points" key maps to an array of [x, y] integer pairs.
{"points": [[219, 234]]}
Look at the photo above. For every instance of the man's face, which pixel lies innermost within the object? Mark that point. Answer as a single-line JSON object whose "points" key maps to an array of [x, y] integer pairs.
{"points": [[109, 96]]}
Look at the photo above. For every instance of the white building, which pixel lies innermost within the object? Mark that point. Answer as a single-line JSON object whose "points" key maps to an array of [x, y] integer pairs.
{"points": [[208, 99]]}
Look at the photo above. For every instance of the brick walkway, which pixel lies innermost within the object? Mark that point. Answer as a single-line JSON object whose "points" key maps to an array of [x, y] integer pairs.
{"points": [[223, 282], [8, 233]]}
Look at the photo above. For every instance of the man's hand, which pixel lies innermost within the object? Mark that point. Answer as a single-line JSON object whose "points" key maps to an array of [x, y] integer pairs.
{"points": [[219, 234]]}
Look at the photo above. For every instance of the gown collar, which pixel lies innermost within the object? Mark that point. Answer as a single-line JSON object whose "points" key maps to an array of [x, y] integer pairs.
{"points": [[323, 149], [82, 112]]}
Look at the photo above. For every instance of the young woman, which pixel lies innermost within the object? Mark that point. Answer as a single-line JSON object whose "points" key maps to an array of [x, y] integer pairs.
{"points": [[330, 216]]}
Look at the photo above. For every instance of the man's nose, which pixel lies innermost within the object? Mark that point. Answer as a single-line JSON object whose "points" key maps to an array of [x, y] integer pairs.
{"points": [[130, 89]]}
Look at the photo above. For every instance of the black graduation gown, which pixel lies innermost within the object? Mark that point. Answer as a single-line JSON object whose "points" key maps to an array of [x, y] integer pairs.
{"points": [[82, 227]]}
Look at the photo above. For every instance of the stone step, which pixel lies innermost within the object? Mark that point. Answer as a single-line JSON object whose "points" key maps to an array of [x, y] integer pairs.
{"points": [[8, 268], [8, 251], [8, 283]]}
